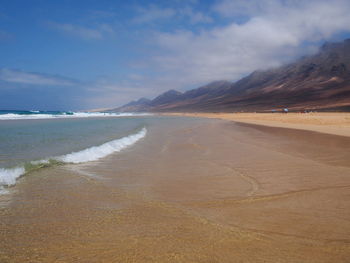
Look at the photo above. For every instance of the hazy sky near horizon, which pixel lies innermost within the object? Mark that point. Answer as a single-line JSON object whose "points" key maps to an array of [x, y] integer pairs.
{"points": [[83, 54]]}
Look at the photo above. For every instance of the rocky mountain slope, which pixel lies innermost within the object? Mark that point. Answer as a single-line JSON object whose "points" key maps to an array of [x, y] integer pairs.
{"points": [[318, 82]]}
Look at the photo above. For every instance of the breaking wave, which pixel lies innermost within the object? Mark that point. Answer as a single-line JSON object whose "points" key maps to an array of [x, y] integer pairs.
{"points": [[30, 115], [8, 176]]}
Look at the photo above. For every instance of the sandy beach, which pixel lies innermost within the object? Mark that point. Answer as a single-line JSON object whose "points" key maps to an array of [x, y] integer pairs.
{"points": [[199, 191], [337, 123]]}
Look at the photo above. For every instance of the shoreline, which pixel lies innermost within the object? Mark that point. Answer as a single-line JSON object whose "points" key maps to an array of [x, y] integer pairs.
{"points": [[322, 122], [193, 190]]}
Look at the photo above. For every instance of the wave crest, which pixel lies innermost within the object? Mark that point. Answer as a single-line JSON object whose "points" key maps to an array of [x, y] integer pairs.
{"points": [[8, 176], [15, 116], [98, 152]]}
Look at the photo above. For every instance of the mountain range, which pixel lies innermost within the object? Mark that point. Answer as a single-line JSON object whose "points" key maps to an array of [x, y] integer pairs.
{"points": [[316, 82]]}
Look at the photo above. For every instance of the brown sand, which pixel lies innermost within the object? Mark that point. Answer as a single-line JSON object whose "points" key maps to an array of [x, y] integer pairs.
{"points": [[200, 191], [326, 122]]}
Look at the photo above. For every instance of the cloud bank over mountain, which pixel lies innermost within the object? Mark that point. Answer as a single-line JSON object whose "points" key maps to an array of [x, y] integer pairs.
{"points": [[111, 54]]}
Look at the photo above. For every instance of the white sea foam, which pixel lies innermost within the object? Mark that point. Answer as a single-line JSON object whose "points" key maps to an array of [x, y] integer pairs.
{"points": [[8, 176], [43, 161], [14, 116], [98, 152]]}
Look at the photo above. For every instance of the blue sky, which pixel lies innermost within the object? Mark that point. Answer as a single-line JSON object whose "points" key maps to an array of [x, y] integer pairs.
{"points": [[76, 55]]}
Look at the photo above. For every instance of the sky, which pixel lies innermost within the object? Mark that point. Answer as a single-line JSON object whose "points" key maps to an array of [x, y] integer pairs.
{"points": [[87, 54]]}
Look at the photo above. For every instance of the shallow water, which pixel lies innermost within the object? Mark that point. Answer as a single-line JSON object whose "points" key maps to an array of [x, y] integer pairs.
{"points": [[191, 190], [29, 144]]}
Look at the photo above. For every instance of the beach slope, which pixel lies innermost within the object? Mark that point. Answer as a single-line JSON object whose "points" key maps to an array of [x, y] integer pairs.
{"points": [[193, 190]]}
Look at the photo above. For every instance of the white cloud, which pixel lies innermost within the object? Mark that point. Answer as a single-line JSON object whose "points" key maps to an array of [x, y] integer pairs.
{"points": [[272, 32], [276, 32], [153, 13], [104, 93], [194, 17], [231, 8], [98, 32], [22, 77]]}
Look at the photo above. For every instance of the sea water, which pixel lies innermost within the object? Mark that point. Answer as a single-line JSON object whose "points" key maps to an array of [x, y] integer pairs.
{"points": [[31, 140]]}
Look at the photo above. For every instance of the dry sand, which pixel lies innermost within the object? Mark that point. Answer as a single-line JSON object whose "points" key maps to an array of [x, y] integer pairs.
{"points": [[197, 191], [325, 122]]}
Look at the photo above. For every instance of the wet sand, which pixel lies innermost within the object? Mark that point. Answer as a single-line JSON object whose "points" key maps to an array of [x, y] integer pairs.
{"points": [[337, 123], [208, 191]]}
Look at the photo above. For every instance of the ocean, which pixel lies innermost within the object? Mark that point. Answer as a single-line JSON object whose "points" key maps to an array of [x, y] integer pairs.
{"points": [[30, 140], [171, 187]]}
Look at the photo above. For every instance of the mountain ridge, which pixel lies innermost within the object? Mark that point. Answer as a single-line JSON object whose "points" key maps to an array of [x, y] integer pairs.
{"points": [[317, 82]]}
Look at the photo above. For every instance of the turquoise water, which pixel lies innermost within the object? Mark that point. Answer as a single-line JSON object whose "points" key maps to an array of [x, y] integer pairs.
{"points": [[30, 141], [25, 140], [35, 112], [25, 115], [25, 143]]}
